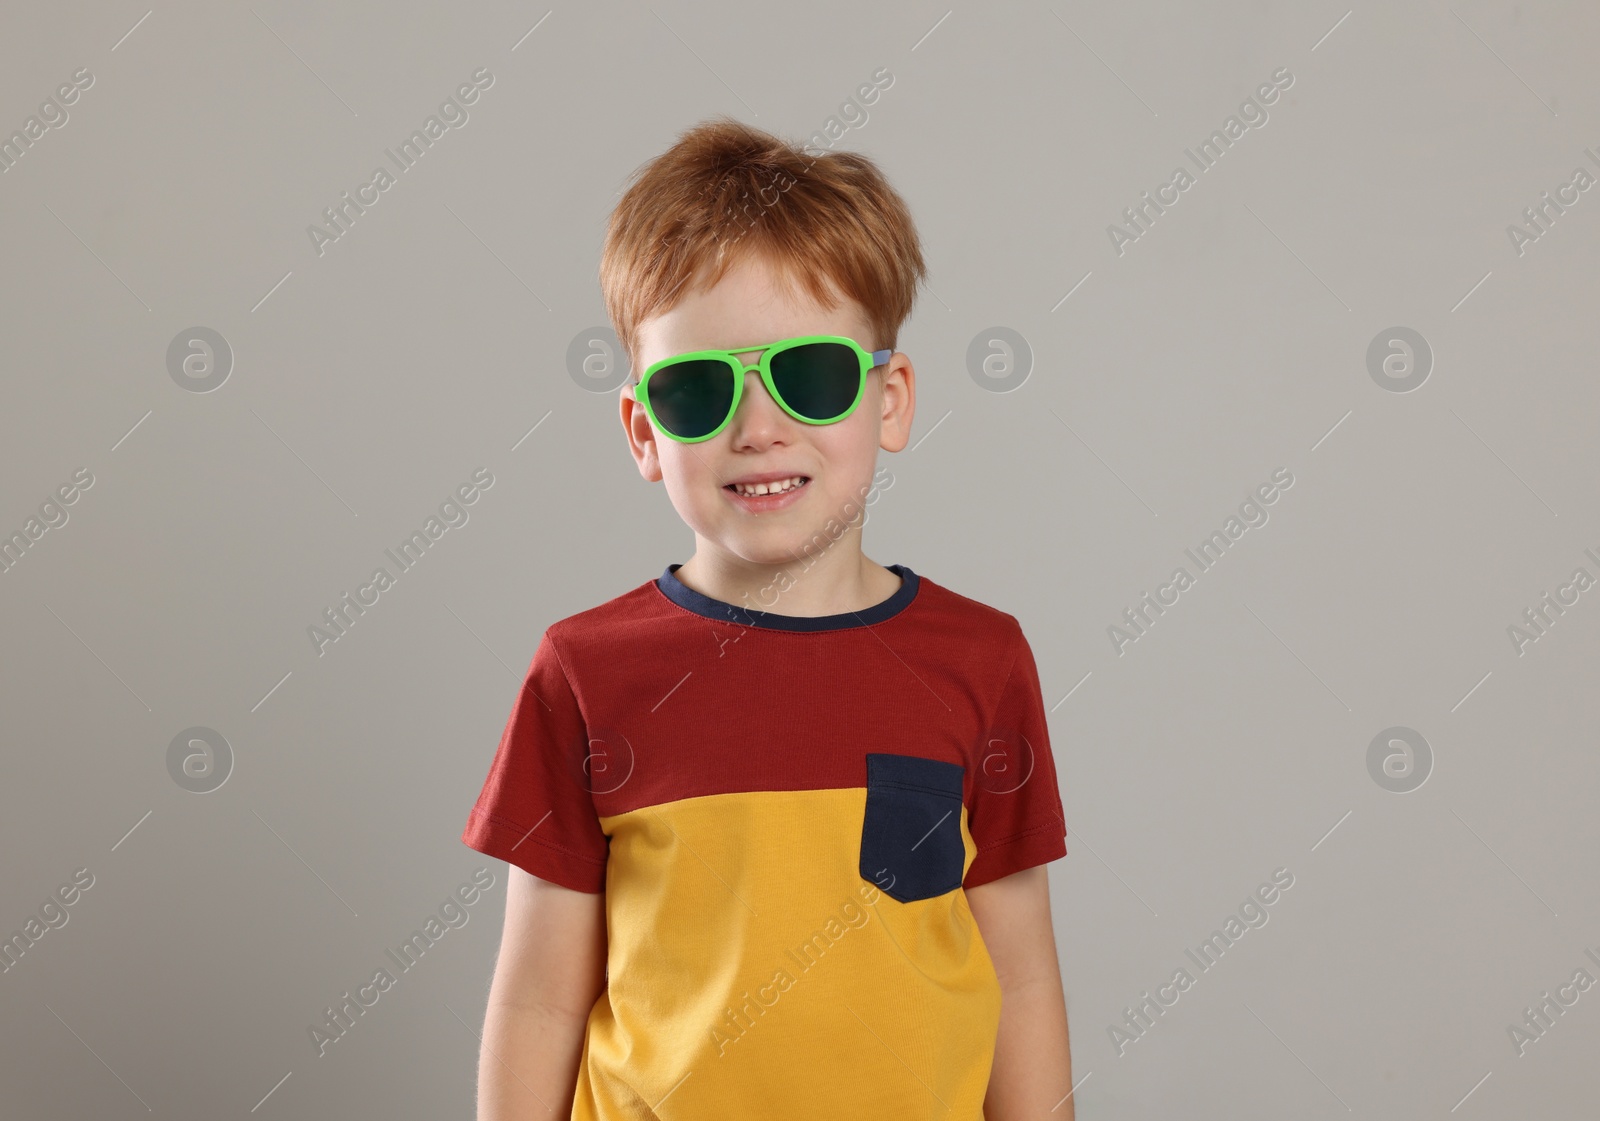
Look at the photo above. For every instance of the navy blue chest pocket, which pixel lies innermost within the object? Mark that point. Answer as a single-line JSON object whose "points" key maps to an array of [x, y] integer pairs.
{"points": [[911, 831]]}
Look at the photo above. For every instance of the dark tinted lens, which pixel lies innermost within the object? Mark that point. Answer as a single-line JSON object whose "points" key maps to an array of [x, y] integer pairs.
{"points": [[818, 380], [691, 398]]}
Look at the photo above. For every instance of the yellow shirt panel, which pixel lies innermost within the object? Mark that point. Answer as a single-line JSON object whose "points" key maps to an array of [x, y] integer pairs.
{"points": [[754, 972]]}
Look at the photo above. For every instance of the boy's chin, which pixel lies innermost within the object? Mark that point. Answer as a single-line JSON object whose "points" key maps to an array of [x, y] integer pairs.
{"points": [[772, 547]]}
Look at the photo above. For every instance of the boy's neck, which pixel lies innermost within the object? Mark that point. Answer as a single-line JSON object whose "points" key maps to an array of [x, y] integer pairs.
{"points": [[837, 581]]}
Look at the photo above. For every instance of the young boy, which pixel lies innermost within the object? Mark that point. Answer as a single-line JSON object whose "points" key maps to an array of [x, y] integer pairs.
{"points": [[777, 818]]}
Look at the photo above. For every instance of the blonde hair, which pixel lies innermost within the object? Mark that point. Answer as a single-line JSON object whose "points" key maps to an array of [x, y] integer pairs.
{"points": [[726, 191]]}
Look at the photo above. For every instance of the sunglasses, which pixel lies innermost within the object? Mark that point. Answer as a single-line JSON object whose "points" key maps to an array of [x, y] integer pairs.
{"points": [[818, 379]]}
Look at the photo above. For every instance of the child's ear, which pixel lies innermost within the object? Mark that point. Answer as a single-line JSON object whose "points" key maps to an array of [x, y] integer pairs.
{"points": [[899, 403], [641, 437]]}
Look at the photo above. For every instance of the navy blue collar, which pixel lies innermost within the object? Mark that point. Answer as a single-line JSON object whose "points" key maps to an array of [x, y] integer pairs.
{"points": [[686, 597]]}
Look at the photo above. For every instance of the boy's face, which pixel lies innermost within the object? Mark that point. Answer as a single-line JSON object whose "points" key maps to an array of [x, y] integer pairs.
{"points": [[748, 305]]}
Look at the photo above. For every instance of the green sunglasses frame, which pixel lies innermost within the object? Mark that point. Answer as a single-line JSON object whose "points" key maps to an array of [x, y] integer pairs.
{"points": [[870, 360]]}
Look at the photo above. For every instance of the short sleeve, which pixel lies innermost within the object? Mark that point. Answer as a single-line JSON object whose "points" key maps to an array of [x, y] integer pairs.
{"points": [[535, 810], [1015, 814]]}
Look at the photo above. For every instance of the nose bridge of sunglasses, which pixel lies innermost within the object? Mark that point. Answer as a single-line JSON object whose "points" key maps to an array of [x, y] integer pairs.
{"points": [[768, 405], [758, 389]]}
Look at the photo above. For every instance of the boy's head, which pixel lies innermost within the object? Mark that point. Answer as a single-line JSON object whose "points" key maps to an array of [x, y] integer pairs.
{"points": [[733, 237]]}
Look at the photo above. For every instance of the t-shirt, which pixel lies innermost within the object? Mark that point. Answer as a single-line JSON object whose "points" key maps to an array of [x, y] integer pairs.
{"points": [[784, 813]]}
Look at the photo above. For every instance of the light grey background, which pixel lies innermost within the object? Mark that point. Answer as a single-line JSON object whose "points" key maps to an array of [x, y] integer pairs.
{"points": [[1228, 342]]}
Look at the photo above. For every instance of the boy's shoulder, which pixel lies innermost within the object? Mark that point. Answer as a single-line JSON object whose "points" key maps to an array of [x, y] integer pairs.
{"points": [[970, 622], [951, 602], [610, 620]]}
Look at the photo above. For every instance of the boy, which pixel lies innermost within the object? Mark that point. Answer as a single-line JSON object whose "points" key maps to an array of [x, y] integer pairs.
{"points": [[772, 864]]}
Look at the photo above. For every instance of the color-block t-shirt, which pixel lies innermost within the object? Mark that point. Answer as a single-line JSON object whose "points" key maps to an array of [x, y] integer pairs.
{"points": [[784, 813]]}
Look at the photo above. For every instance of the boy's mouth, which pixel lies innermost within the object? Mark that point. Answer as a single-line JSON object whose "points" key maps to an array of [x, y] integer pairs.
{"points": [[775, 487]]}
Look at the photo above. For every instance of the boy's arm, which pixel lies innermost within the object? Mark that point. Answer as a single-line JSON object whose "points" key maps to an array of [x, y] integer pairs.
{"points": [[1032, 1069], [550, 971]]}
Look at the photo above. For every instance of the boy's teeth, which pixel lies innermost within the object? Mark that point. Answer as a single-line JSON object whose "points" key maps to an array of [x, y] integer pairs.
{"points": [[776, 487]]}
